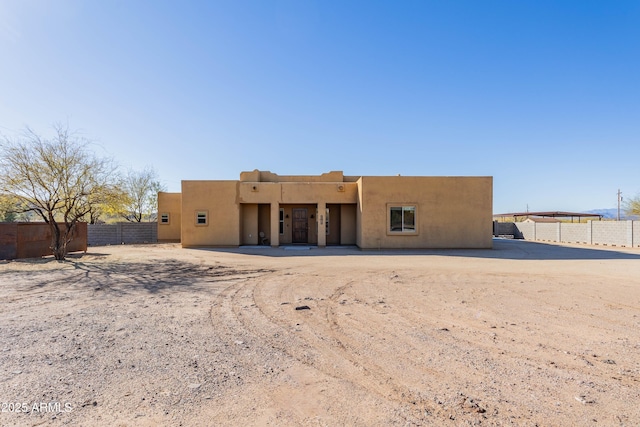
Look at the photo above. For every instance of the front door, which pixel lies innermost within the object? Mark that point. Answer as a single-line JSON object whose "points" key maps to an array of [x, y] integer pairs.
{"points": [[300, 226]]}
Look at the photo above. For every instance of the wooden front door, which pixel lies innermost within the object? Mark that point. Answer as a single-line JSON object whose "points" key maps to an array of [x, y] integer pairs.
{"points": [[300, 226]]}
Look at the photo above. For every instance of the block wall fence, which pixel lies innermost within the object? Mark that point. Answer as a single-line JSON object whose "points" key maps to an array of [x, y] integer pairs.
{"points": [[122, 233], [606, 233]]}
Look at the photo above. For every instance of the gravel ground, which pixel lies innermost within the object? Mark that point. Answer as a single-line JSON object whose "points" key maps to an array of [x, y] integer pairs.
{"points": [[156, 335]]}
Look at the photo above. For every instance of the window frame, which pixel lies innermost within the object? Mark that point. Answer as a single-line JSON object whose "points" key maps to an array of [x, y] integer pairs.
{"points": [[327, 226], [162, 221], [198, 213], [404, 207], [281, 222]]}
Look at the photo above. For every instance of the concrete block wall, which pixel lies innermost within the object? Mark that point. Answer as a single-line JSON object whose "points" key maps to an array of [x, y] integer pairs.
{"points": [[122, 232], [504, 229], [574, 233], [547, 231], [611, 233], [139, 232], [527, 230], [103, 234]]}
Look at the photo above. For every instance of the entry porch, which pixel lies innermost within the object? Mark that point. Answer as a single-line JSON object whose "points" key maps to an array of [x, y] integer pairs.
{"points": [[317, 224]]}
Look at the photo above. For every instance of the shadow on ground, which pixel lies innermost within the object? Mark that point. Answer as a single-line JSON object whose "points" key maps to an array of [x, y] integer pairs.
{"points": [[125, 277], [502, 249]]}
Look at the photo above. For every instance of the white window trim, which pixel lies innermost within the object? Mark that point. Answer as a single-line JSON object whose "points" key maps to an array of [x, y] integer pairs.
{"points": [[206, 218], [168, 221]]}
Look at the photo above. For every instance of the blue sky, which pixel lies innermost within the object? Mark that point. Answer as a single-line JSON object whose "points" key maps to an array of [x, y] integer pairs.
{"points": [[542, 95]]}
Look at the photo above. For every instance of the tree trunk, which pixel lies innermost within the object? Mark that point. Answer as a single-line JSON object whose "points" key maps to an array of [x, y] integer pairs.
{"points": [[58, 243]]}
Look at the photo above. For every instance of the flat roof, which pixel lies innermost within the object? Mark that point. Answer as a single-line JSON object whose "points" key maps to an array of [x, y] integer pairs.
{"points": [[552, 214]]}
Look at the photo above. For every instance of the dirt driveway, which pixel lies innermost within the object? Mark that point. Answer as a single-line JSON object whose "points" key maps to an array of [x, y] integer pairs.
{"points": [[155, 335]]}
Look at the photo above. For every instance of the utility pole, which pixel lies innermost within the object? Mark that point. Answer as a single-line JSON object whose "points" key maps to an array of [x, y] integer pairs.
{"points": [[619, 200]]}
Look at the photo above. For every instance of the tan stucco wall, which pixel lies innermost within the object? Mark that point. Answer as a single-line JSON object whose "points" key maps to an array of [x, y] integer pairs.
{"points": [[333, 238], [266, 176], [359, 214], [170, 203], [288, 195], [245, 208], [264, 220], [348, 224], [249, 219], [452, 212], [297, 192], [219, 199]]}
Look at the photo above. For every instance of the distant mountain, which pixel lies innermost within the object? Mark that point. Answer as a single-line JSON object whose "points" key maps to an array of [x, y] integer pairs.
{"points": [[610, 213]]}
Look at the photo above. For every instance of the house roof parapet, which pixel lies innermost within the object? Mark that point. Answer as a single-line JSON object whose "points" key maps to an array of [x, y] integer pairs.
{"points": [[267, 176]]}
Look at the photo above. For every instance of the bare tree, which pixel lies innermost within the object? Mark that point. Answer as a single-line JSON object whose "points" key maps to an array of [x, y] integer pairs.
{"points": [[59, 179], [140, 198]]}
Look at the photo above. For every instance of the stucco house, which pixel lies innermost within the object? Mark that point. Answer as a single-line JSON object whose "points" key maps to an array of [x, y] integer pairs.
{"points": [[372, 212]]}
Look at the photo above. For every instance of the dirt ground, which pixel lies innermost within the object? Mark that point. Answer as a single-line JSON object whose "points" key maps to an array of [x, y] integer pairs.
{"points": [[525, 334]]}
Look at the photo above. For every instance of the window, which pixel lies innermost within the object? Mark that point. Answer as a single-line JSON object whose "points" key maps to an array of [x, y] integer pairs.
{"points": [[164, 218], [201, 218], [402, 219], [281, 221], [327, 228]]}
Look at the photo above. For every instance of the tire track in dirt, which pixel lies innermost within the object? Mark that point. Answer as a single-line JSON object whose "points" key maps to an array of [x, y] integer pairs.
{"points": [[485, 342], [43, 284], [320, 342], [405, 363], [345, 333], [372, 353]]}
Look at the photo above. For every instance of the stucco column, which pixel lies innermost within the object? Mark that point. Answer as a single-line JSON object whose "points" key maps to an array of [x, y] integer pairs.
{"points": [[321, 223], [275, 225]]}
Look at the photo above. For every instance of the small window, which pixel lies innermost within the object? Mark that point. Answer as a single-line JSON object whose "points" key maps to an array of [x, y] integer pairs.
{"points": [[402, 219], [201, 218], [164, 218], [327, 228], [281, 221]]}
